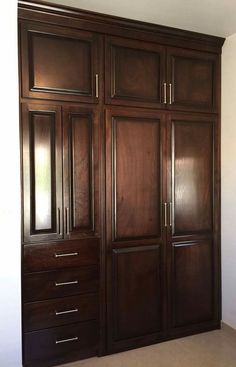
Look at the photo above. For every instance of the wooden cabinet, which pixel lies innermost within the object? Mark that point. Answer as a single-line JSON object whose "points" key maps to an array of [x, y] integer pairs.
{"points": [[120, 145], [60, 64], [150, 75]]}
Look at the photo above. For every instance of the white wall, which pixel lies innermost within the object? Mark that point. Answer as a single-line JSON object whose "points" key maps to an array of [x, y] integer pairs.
{"points": [[10, 320], [229, 180]]}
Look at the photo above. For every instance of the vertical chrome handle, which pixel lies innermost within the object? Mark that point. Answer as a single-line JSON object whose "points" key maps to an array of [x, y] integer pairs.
{"points": [[58, 221], [170, 223], [165, 93], [67, 340], [170, 86], [67, 221], [165, 214], [97, 85]]}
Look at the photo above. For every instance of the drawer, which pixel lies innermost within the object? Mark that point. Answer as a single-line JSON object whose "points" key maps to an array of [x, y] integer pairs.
{"points": [[61, 344], [58, 255], [61, 311], [55, 284]]}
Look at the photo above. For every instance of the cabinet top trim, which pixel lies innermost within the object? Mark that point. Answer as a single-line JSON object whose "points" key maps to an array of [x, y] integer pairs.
{"points": [[112, 25]]}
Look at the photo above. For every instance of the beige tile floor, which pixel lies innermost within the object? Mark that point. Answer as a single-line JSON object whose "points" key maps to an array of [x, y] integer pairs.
{"points": [[212, 349]]}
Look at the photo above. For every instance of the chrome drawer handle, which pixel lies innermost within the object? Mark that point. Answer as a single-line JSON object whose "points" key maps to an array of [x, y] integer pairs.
{"points": [[69, 254], [67, 340], [65, 312], [66, 283]]}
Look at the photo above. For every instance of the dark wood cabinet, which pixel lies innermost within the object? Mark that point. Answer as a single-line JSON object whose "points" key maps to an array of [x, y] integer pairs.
{"points": [[60, 64], [120, 155]]}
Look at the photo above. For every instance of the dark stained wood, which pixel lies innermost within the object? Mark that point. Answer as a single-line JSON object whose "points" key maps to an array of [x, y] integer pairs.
{"points": [[40, 347], [193, 77], [42, 167], [60, 283], [136, 178], [192, 276], [45, 314], [107, 24], [137, 292], [59, 64], [81, 171], [45, 256], [135, 73], [192, 172]]}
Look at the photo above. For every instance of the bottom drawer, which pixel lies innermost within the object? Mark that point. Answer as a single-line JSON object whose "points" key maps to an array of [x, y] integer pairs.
{"points": [[62, 344]]}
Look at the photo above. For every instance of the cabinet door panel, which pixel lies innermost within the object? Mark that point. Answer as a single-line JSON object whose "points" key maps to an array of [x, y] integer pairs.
{"points": [[192, 283], [192, 174], [134, 72], [193, 76], [137, 292], [59, 64], [42, 172], [81, 170]]}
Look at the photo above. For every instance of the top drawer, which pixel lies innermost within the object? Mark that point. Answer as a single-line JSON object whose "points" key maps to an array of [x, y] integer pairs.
{"points": [[66, 254]]}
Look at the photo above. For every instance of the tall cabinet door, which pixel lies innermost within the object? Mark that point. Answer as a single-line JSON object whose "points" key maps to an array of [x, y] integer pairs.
{"points": [[193, 80], [81, 171], [135, 232], [42, 172], [193, 236]]}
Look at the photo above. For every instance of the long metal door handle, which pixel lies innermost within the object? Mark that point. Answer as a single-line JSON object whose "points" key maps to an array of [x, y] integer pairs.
{"points": [[58, 313], [67, 340], [170, 86], [165, 214], [58, 221], [97, 85], [67, 254], [170, 204], [165, 93], [67, 221], [59, 284]]}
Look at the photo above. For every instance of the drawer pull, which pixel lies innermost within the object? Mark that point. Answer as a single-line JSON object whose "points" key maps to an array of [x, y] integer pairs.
{"points": [[69, 254], [65, 312], [66, 283], [67, 340]]}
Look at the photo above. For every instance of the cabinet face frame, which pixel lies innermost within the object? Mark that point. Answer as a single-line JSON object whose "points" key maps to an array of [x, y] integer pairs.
{"points": [[29, 31], [30, 234], [132, 245], [195, 239]]}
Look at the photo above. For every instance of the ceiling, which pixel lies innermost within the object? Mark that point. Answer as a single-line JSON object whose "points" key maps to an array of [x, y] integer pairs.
{"points": [[216, 17]]}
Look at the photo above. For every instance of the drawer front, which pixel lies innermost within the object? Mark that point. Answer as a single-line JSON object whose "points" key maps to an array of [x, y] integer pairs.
{"points": [[60, 344], [61, 311], [66, 254], [55, 284]]}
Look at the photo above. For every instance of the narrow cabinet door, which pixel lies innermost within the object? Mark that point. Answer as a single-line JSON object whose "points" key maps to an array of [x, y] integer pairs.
{"points": [[42, 172], [193, 80], [135, 192], [135, 73], [60, 64], [81, 171], [193, 238]]}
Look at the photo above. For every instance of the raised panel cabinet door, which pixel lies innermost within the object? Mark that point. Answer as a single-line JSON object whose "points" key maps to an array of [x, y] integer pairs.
{"points": [[193, 235], [134, 73], [81, 171], [42, 172], [60, 64], [135, 231], [193, 80]]}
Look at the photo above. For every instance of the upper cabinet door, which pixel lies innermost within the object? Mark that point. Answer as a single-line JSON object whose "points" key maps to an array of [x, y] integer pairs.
{"points": [[192, 80], [134, 73], [60, 64], [81, 171], [42, 172]]}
